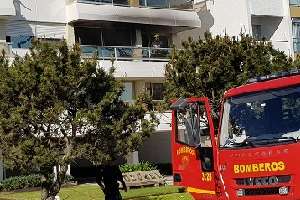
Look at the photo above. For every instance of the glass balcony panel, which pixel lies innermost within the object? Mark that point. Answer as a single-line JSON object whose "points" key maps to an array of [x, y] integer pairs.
{"points": [[181, 4], [160, 53], [121, 2], [97, 1], [177, 4], [146, 53], [158, 3], [89, 51], [143, 3], [124, 52], [106, 52], [294, 2]]}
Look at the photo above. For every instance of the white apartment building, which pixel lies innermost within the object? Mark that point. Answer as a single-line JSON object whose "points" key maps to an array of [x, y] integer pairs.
{"points": [[263, 19]]}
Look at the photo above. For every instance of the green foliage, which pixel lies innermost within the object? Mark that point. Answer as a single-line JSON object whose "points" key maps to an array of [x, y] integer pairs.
{"points": [[20, 182], [142, 166], [211, 66], [55, 107], [23, 182]]}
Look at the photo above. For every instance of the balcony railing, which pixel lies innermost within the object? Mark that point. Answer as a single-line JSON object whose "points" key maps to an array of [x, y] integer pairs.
{"points": [[296, 45], [126, 53], [294, 2], [170, 4]]}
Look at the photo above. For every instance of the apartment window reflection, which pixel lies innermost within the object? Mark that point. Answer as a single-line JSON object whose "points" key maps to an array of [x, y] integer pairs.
{"points": [[127, 95], [155, 90], [21, 41], [256, 30]]}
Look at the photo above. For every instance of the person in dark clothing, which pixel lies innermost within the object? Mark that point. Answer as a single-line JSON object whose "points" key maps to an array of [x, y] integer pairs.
{"points": [[107, 178]]}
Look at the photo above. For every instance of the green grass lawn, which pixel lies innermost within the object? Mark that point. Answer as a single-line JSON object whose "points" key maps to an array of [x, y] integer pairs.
{"points": [[92, 192]]}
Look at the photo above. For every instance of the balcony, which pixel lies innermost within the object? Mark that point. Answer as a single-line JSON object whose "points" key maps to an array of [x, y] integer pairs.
{"points": [[156, 12], [170, 4], [127, 53], [273, 8], [7, 8]]}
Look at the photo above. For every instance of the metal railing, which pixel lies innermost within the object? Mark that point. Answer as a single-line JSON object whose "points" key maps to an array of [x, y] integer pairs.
{"points": [[126, 53], [296, 45], [170, 4]]}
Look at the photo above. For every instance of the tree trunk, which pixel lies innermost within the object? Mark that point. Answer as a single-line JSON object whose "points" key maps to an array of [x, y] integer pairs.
{"points": [[46, 194], [51, 185]]}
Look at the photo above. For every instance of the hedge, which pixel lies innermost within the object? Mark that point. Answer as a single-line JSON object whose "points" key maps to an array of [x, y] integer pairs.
{"points": [[22, 182]]}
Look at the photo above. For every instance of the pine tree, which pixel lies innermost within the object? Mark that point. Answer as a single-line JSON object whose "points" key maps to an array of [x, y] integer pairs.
{"points": [[211, 66], [55, 107]]}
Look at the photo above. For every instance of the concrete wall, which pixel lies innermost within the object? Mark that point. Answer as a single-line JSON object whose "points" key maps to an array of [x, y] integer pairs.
{"points": [[136, 69], [157, 148], [167, 17], [7, 8], [267, 7], [231, 17], [41, 10]]}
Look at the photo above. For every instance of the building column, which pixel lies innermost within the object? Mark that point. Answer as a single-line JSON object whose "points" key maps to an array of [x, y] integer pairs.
{"points": [[70, 35], [139, 39]]}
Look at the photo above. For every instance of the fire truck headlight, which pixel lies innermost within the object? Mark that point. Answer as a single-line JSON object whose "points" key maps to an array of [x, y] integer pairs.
{"points": [[283, 190], [240, 192]]}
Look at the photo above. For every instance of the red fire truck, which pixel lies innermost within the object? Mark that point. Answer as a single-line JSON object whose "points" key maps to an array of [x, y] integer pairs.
{"points": [[256, 153]]}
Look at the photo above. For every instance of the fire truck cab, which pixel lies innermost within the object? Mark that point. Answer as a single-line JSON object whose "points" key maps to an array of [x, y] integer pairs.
{"points": [[254, 155]]}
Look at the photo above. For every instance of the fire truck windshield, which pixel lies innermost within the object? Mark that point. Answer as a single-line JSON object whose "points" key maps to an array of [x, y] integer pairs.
{"points": [[263, 118]]}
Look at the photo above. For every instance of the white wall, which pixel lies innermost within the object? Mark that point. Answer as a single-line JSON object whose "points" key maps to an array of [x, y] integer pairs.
{"points": [[41, 10], [267, 7], [157, 148], [277, 29], [231, 17], [7, 8]]}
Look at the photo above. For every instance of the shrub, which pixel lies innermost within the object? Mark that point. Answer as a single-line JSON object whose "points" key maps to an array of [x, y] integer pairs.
{"points": [[22, 182], [143, 166]]}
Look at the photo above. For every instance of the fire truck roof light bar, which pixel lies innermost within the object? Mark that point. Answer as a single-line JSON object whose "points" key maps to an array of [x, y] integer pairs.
{"points": [[180, 104], [276, 75]]}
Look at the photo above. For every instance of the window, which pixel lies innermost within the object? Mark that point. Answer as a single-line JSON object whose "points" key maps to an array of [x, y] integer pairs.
{"points": [[296, 36], [296, 29], [127, 94], [155, 90], [256, 31], [192, 126], [88, 36], [265, 117], [22, 41]]}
